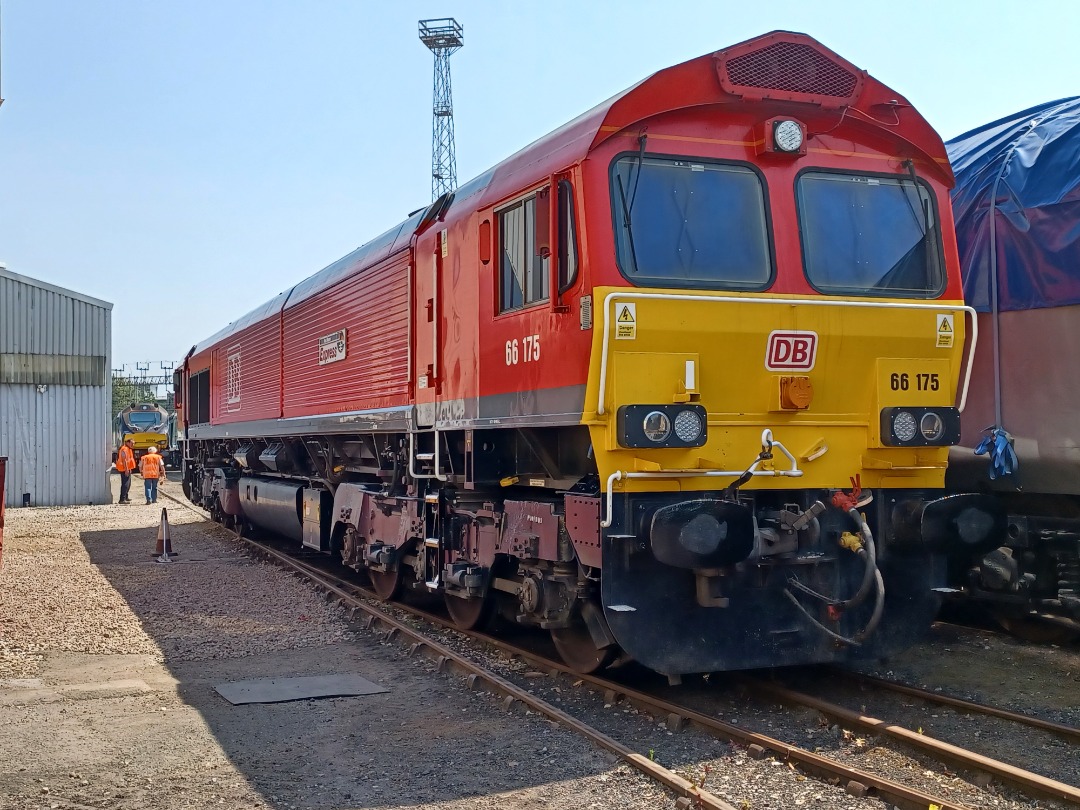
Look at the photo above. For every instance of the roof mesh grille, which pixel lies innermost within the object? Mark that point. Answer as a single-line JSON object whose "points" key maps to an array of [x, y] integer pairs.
{"points": [[794, 68]]}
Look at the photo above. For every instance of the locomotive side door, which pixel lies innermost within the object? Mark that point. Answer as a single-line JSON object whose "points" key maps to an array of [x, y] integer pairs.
{"points": [[532, 365], [427, 374]]}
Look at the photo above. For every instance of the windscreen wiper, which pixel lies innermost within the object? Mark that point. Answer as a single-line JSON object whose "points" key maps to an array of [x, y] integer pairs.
{"points": [[628, 207], [924, 204], [626, 222]]}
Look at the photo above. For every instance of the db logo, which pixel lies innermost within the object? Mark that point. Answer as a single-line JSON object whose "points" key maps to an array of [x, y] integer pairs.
{"points": [[791, 351]]}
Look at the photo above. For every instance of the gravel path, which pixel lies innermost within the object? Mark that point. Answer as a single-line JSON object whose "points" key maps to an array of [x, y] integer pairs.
{"points": [[108, 662]]}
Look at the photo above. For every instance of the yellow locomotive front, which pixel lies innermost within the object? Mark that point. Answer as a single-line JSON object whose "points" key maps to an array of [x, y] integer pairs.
{"points": [[146, 424], [776, 376], [759, 516]]}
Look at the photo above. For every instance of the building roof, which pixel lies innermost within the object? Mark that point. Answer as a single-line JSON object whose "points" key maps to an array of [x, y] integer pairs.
{"points": [[43, 285]]}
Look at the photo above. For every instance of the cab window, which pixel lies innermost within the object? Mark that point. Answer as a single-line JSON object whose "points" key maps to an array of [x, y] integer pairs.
{"points": [[688, 222], [869, 235], [523, 274], [568, 251]]}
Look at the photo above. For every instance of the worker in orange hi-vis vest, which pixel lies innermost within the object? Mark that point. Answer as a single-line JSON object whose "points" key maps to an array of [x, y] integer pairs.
{"points": [[125, 465], [152, 468]]}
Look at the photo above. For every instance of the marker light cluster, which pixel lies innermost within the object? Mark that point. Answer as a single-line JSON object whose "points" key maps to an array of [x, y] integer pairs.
{"points": [[662, 426], [920, 427]]}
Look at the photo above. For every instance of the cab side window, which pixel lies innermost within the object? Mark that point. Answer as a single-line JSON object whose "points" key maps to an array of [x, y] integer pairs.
{"points": [[524, 249], [523, 273], [568, 256]]}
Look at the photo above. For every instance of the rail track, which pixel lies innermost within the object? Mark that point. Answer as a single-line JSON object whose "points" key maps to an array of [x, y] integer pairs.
{"points": [[1027, 782], [960, 705], [379, 617], [1032, 627]]}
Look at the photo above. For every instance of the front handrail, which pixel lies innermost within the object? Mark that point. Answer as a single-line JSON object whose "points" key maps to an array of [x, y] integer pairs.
{"points": [[767, 442]]}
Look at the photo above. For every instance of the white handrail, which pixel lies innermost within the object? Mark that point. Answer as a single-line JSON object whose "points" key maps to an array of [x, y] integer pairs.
{"points": [[412, 457], [767, 441]]}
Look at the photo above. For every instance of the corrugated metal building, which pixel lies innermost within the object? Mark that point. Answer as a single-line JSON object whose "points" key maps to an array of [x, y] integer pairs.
{"points": [[55, 393]]}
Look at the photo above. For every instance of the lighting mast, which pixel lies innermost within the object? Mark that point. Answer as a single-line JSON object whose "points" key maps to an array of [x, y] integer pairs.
{"points": [[443, 37]]}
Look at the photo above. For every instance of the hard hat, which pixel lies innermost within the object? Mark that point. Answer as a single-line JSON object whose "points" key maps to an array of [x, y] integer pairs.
{"points": [[152, 448]]}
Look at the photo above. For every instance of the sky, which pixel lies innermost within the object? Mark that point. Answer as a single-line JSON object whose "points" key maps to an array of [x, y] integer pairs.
{"points": [[188, 161]]}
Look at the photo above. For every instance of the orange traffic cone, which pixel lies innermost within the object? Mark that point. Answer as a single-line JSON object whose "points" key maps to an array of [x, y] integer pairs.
{"points": [[164, 539]]}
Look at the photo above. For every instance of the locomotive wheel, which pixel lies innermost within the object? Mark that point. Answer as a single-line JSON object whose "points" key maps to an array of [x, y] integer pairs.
{"points": [[577, 649], [468, 614], [387, 584]]}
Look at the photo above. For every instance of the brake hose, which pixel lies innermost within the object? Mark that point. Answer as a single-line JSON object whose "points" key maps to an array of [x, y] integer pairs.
{"points": [[871, 576]]}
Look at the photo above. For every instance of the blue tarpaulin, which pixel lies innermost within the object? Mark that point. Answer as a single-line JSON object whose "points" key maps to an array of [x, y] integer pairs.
{"points": [[1017, 208]]}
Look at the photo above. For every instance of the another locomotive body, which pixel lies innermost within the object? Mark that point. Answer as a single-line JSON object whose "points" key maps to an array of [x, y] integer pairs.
{"points": [[678, 379], [1017, 207], [146, 424]]}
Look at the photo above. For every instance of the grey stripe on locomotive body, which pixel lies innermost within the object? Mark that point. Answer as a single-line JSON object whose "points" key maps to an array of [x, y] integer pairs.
{"points": [[558, 407]]}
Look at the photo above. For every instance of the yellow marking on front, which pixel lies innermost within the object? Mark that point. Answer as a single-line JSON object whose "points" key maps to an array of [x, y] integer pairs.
{"points": [[865, 359]]}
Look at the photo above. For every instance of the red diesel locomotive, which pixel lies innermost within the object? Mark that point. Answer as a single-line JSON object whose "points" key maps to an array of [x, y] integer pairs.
{"points": [[678, 380]]}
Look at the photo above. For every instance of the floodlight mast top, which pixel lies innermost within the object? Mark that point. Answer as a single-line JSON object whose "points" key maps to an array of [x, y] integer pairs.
{"points": [[443, 37], [445, 34]]}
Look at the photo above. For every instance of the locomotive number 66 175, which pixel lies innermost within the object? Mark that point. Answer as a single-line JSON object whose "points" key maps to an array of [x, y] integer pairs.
{"points": [[733, 452]]}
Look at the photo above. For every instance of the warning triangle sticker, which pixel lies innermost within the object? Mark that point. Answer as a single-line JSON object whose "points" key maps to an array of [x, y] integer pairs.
{"points": [[944, 325], [626, 316]]}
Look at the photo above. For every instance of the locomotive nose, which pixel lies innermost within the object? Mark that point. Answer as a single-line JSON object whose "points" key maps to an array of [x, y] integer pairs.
{"points": [[702, 534]]}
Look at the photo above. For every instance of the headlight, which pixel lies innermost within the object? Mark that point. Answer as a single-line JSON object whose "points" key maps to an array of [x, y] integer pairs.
{"points": [[662, 426], [788, 136], [920, 427], [689, 426], [656, 426], [904, 426], [931, 426]]}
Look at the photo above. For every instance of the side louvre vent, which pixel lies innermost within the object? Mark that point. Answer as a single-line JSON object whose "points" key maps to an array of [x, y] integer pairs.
{"points": [[790, 67]]}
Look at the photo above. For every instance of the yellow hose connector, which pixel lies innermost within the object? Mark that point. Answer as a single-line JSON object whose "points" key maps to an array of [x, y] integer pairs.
{"points": [[852, 542]]}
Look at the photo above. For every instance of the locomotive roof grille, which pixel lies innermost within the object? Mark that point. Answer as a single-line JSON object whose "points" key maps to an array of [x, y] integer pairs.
{"points": [[792, 67]]}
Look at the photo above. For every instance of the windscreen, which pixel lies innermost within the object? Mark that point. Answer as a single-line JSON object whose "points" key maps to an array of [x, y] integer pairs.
{"points": [[145, 419], [683, 222], [867, 235]]}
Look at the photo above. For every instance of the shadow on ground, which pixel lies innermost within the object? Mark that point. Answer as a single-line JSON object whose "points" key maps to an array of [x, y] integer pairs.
{"points": [[217, 615]]}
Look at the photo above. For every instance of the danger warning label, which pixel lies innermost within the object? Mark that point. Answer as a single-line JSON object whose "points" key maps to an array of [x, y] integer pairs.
{"points": [[626, 321], [945, 331]]}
